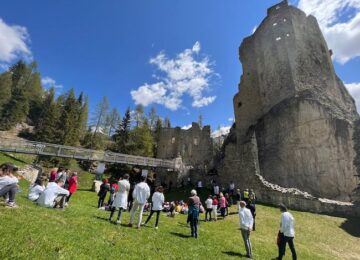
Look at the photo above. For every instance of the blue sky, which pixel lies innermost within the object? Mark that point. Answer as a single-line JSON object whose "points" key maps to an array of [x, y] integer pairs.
{"points": [[114, 48]]}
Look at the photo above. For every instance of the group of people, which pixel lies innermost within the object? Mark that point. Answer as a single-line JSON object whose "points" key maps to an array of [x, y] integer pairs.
{"points": [[61, 185]]}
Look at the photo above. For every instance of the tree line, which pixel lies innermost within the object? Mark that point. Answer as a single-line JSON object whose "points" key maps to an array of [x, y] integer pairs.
{"points": [[64, 119]]}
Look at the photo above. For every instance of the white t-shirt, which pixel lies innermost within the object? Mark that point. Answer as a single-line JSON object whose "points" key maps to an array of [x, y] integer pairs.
{"points": [[35, 192], [287, 224], [158, 201], [49, 195], [216, 189], [200, 184], [141, 192], [121, 197], [208, 203]]}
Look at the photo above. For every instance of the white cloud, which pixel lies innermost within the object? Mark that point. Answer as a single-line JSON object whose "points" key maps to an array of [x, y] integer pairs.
{"points": [[340, 23], [49, 82], [354, 89], [186, 127], [231, 119], [14, 41], [186, 74], [223, 130]]}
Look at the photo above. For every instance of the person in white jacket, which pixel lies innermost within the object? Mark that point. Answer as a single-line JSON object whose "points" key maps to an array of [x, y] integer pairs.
{"points": [[157, 205], [140, 195], [35, 190], [121, 198], [246, 224], [287, 232], [54, 196]]}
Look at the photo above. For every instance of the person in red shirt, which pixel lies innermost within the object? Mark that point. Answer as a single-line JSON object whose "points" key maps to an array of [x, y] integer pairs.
{"points": [[73, 180], [215, 204]]}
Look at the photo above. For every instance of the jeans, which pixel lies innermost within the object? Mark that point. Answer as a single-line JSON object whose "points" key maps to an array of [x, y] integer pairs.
{"points": [[194, 227], [10, 190], [157, 217], [222, 211], [282, 247], [135, 206], [246, 237]]}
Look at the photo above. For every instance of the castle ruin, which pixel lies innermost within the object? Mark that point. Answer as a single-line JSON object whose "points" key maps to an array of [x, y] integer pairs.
{"points": [[295, 119]]}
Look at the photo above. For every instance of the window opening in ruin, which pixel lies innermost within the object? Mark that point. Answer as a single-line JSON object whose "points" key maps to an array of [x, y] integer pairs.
{"points": [[284, 19], [274, 24], [173, 140], [196, 141], [278, 38], [277, 8], [239, 104], [287, 35]]}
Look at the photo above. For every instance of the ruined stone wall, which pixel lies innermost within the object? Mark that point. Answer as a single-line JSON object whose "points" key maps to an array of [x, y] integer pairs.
{"points": [[297, 110], [194, 145]]}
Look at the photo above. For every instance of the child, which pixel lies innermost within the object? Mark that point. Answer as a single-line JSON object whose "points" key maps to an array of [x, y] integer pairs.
{"points": [[36, 189], [104, 188], [113, 189], [72, 185], [157, 205], [215, 204], [209, 209]]}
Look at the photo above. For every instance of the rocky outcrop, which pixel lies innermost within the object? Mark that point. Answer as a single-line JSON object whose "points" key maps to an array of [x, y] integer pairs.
{"points": [[295, 120]]}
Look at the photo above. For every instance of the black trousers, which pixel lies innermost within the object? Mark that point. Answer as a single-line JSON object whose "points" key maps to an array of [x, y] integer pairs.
{"points": [[101, 202], [157, 217], [9, 190], [282, 247], [113, 209], [208, 213]]}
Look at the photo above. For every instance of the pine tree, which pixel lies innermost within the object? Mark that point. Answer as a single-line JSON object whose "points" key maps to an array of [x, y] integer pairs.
{"points": [[141, 140], [46, 128], [5, 89], [152, 118], [122, 134], [35, 93]]}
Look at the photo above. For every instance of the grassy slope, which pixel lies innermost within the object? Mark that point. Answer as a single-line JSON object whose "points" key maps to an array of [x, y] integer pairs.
{"points": [[82, 232]]}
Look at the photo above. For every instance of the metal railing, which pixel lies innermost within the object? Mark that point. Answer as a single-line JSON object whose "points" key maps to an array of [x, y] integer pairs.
{"points": [[62, 151]]}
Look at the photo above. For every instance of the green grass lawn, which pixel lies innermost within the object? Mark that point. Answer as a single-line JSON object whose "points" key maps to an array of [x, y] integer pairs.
{"points": [[82, 232], [17, 159]]}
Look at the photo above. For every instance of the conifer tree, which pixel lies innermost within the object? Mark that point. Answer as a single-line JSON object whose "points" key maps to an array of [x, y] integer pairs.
{"points": [[5, 88], [122, 134]]}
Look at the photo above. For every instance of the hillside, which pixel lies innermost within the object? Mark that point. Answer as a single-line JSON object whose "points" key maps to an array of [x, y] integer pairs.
{"points": [[82, 232]]}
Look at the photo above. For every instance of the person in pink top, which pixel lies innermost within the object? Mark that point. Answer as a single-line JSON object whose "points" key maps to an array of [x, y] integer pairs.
{"points": [[72, 185], [53, 176], [222, 205], [215, 204]]}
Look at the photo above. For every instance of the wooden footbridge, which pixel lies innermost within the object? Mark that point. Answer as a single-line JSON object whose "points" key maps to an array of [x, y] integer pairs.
{"points": [[55, 150]]}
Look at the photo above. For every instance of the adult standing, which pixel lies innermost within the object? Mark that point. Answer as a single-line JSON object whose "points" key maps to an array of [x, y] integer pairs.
{"points": [[158, 200], [238, 197], [232, 188], [246, 223], [199, 186], [252, 209], [140, 195], [193, 214], [121, 198], [72, 187], [216, 189], [215, 204], [208, 204], [287, 233], [222, 205]]}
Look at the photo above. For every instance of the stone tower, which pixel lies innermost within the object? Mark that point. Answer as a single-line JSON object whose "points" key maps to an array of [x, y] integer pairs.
{"points": [[294, 117]]}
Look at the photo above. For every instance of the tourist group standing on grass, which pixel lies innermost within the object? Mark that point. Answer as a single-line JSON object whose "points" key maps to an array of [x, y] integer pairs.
{"points": [[55, 191]]}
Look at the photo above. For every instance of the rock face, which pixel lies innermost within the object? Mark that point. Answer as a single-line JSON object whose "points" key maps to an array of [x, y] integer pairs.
{"points": [[294, 117]]}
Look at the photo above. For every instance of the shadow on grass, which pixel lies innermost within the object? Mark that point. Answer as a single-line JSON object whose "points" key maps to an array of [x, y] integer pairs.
{"points": [[232, 253], [14, 158], [180, 235], [351, 226]]}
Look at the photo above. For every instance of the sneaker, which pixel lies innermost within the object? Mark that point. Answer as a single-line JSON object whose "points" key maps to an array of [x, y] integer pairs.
{"points": [[118, 222], [130, 225], [11, 205], [137, 227], [156, 228]]}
